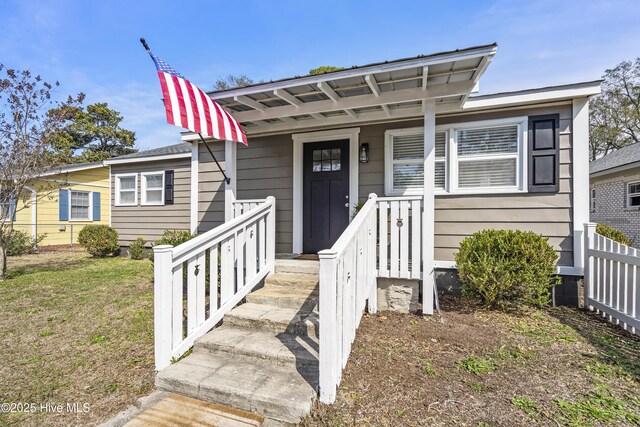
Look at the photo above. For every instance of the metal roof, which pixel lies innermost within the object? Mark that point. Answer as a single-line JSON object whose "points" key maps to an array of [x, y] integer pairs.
{"points": [[624, 156], [379, 91]]}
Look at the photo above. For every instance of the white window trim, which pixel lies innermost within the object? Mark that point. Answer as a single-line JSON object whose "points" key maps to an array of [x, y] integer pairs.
{"points": [[630, 194], [135, 189], [143, 189], [90, 218], [451, 160], [299, 139], [592, 200]]}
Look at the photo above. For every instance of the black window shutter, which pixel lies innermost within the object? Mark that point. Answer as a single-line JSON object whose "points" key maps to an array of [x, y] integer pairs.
{"points": [[168, 187], [544, 154]]}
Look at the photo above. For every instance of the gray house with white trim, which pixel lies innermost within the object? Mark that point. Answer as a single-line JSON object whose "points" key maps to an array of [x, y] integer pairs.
{"points": [[433, 163]]}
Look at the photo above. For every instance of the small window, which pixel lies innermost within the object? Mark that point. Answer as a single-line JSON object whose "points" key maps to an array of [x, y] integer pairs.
{"points": [[327, 160], [593, 200], [80, 206], [406, 153], [153, 188], [488, 157], [633, 195], [126, 190]]}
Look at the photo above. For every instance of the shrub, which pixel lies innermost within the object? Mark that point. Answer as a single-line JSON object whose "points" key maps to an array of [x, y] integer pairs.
{"points": [[173, 238], [613, 234], [506, 268], [99, 240], [137, 248], [22, 243]]}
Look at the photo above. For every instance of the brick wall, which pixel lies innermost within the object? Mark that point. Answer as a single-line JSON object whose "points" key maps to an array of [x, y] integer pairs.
{"points": [[611, 207]]}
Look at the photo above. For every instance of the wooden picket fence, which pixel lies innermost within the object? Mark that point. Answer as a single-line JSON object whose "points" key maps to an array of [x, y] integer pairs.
{"points": [[612, 279]]}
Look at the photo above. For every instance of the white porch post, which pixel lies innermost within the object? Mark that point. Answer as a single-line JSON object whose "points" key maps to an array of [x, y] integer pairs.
{"points": [[230, 150], [428, 208], [580, 143], [194, 214]]}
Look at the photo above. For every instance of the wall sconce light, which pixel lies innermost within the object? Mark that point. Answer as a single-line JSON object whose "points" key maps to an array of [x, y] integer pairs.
{"points": [[364, 153]]}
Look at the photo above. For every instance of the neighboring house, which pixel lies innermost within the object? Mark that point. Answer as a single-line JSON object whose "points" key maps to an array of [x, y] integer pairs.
{"points": [[317, 146], [150, 192], [614, 191], [63, 201]]}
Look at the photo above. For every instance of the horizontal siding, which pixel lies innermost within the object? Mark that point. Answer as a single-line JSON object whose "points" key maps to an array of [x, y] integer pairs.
{"points": [[265, 168], [150, 222]]}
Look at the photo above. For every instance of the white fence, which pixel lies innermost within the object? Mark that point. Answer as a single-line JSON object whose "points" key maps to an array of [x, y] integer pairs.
{"points": [[347, 283], [198, 282], [242, 206], [400, 235], [611, 279]]}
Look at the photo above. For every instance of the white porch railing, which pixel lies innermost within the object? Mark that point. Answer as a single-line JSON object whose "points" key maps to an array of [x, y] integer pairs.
{"points": [[347, 283], [400, 237], [198, 282], [611, 279], [242, 206]]}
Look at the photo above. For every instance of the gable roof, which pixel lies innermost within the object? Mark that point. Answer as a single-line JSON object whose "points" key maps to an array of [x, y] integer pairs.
{"points": [[618, 160], [71, 168], [174, 151]]}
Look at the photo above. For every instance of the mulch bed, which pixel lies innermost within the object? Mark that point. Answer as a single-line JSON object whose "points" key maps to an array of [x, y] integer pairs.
{"points": [[558, 366]]}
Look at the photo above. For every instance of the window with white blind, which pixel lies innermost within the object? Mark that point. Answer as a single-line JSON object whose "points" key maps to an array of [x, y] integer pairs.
{"points": [[633, 194], [126, 189], [152, 188], [473, 157], [405, 161]]}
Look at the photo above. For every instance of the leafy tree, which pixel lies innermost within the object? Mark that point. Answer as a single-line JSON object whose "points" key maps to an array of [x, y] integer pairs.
{"points": [[26, 135], [232, 81], [325, 69], [91, 135], [615, 114]]}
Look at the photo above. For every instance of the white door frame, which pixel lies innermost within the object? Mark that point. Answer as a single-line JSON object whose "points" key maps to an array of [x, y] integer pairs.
{"points": [[299, 139]]}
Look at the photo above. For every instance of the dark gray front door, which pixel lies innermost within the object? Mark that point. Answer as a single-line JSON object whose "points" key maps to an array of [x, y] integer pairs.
{"points": [[325, 193]]}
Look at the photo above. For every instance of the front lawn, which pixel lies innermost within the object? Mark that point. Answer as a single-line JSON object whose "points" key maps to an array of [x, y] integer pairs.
{"points": [[550, 367], [75, 330]]}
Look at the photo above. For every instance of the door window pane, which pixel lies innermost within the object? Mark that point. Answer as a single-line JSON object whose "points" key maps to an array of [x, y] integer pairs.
{"points": [[326, 160]]}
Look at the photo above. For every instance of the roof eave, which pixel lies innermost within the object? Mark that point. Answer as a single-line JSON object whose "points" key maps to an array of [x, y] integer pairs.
{"points": [[615, 169], [456, 55], [117, 161]]}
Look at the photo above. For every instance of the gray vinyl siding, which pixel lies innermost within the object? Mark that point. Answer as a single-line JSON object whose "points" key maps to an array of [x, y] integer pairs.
{"points": [[150, 222], [266, 168], [210, 187]]}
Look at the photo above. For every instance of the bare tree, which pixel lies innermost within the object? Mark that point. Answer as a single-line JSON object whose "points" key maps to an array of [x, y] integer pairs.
{"points": [[26, 127], [615, 114], [232, 81]]}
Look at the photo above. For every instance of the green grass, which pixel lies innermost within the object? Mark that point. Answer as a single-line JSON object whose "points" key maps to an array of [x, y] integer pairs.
{"points": [[478, 365], [599, 405], [76, 329], [527, 406]]}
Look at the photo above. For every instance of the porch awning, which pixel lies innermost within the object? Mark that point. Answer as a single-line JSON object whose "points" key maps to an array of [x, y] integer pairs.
{"points": [[374, 92]]}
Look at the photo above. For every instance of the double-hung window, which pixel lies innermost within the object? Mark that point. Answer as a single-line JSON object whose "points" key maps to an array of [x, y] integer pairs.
{"points": [[633, 195], [474, 157], [80, 205], [593, 200], [152, 188], [127, 190], [488, 157], [405, 161]]}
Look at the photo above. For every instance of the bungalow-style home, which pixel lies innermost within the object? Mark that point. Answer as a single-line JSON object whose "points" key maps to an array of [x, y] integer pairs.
{"points": [[61, 202], [614, 191], [150, 192], [410, 142]]}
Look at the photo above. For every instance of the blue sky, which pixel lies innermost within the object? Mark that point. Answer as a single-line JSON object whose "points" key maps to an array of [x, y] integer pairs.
{"points": [[93, 46]]}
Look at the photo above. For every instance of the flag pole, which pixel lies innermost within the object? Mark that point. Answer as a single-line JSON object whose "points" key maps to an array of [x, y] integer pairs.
{"points": [[226, 178]]}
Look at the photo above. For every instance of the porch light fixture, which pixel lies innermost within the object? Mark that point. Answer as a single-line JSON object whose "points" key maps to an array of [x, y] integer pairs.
{"points": [[364, 153]]}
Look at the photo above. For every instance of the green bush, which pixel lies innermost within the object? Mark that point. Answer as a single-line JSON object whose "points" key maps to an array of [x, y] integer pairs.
{"points": [[21, 243], [613, 234], [99, 240], [173, 238], [506, 268], [137, 248]]}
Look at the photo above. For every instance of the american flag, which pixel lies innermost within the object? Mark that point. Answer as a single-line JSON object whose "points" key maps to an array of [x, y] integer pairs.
{"points": [[189, 107]]}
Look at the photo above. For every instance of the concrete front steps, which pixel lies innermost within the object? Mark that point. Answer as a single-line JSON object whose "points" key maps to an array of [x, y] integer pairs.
{"points": [[264, 357]]}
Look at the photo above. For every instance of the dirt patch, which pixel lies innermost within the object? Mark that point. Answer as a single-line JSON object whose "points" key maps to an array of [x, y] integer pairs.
{"points": [[75, 330], [485, 368]]}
